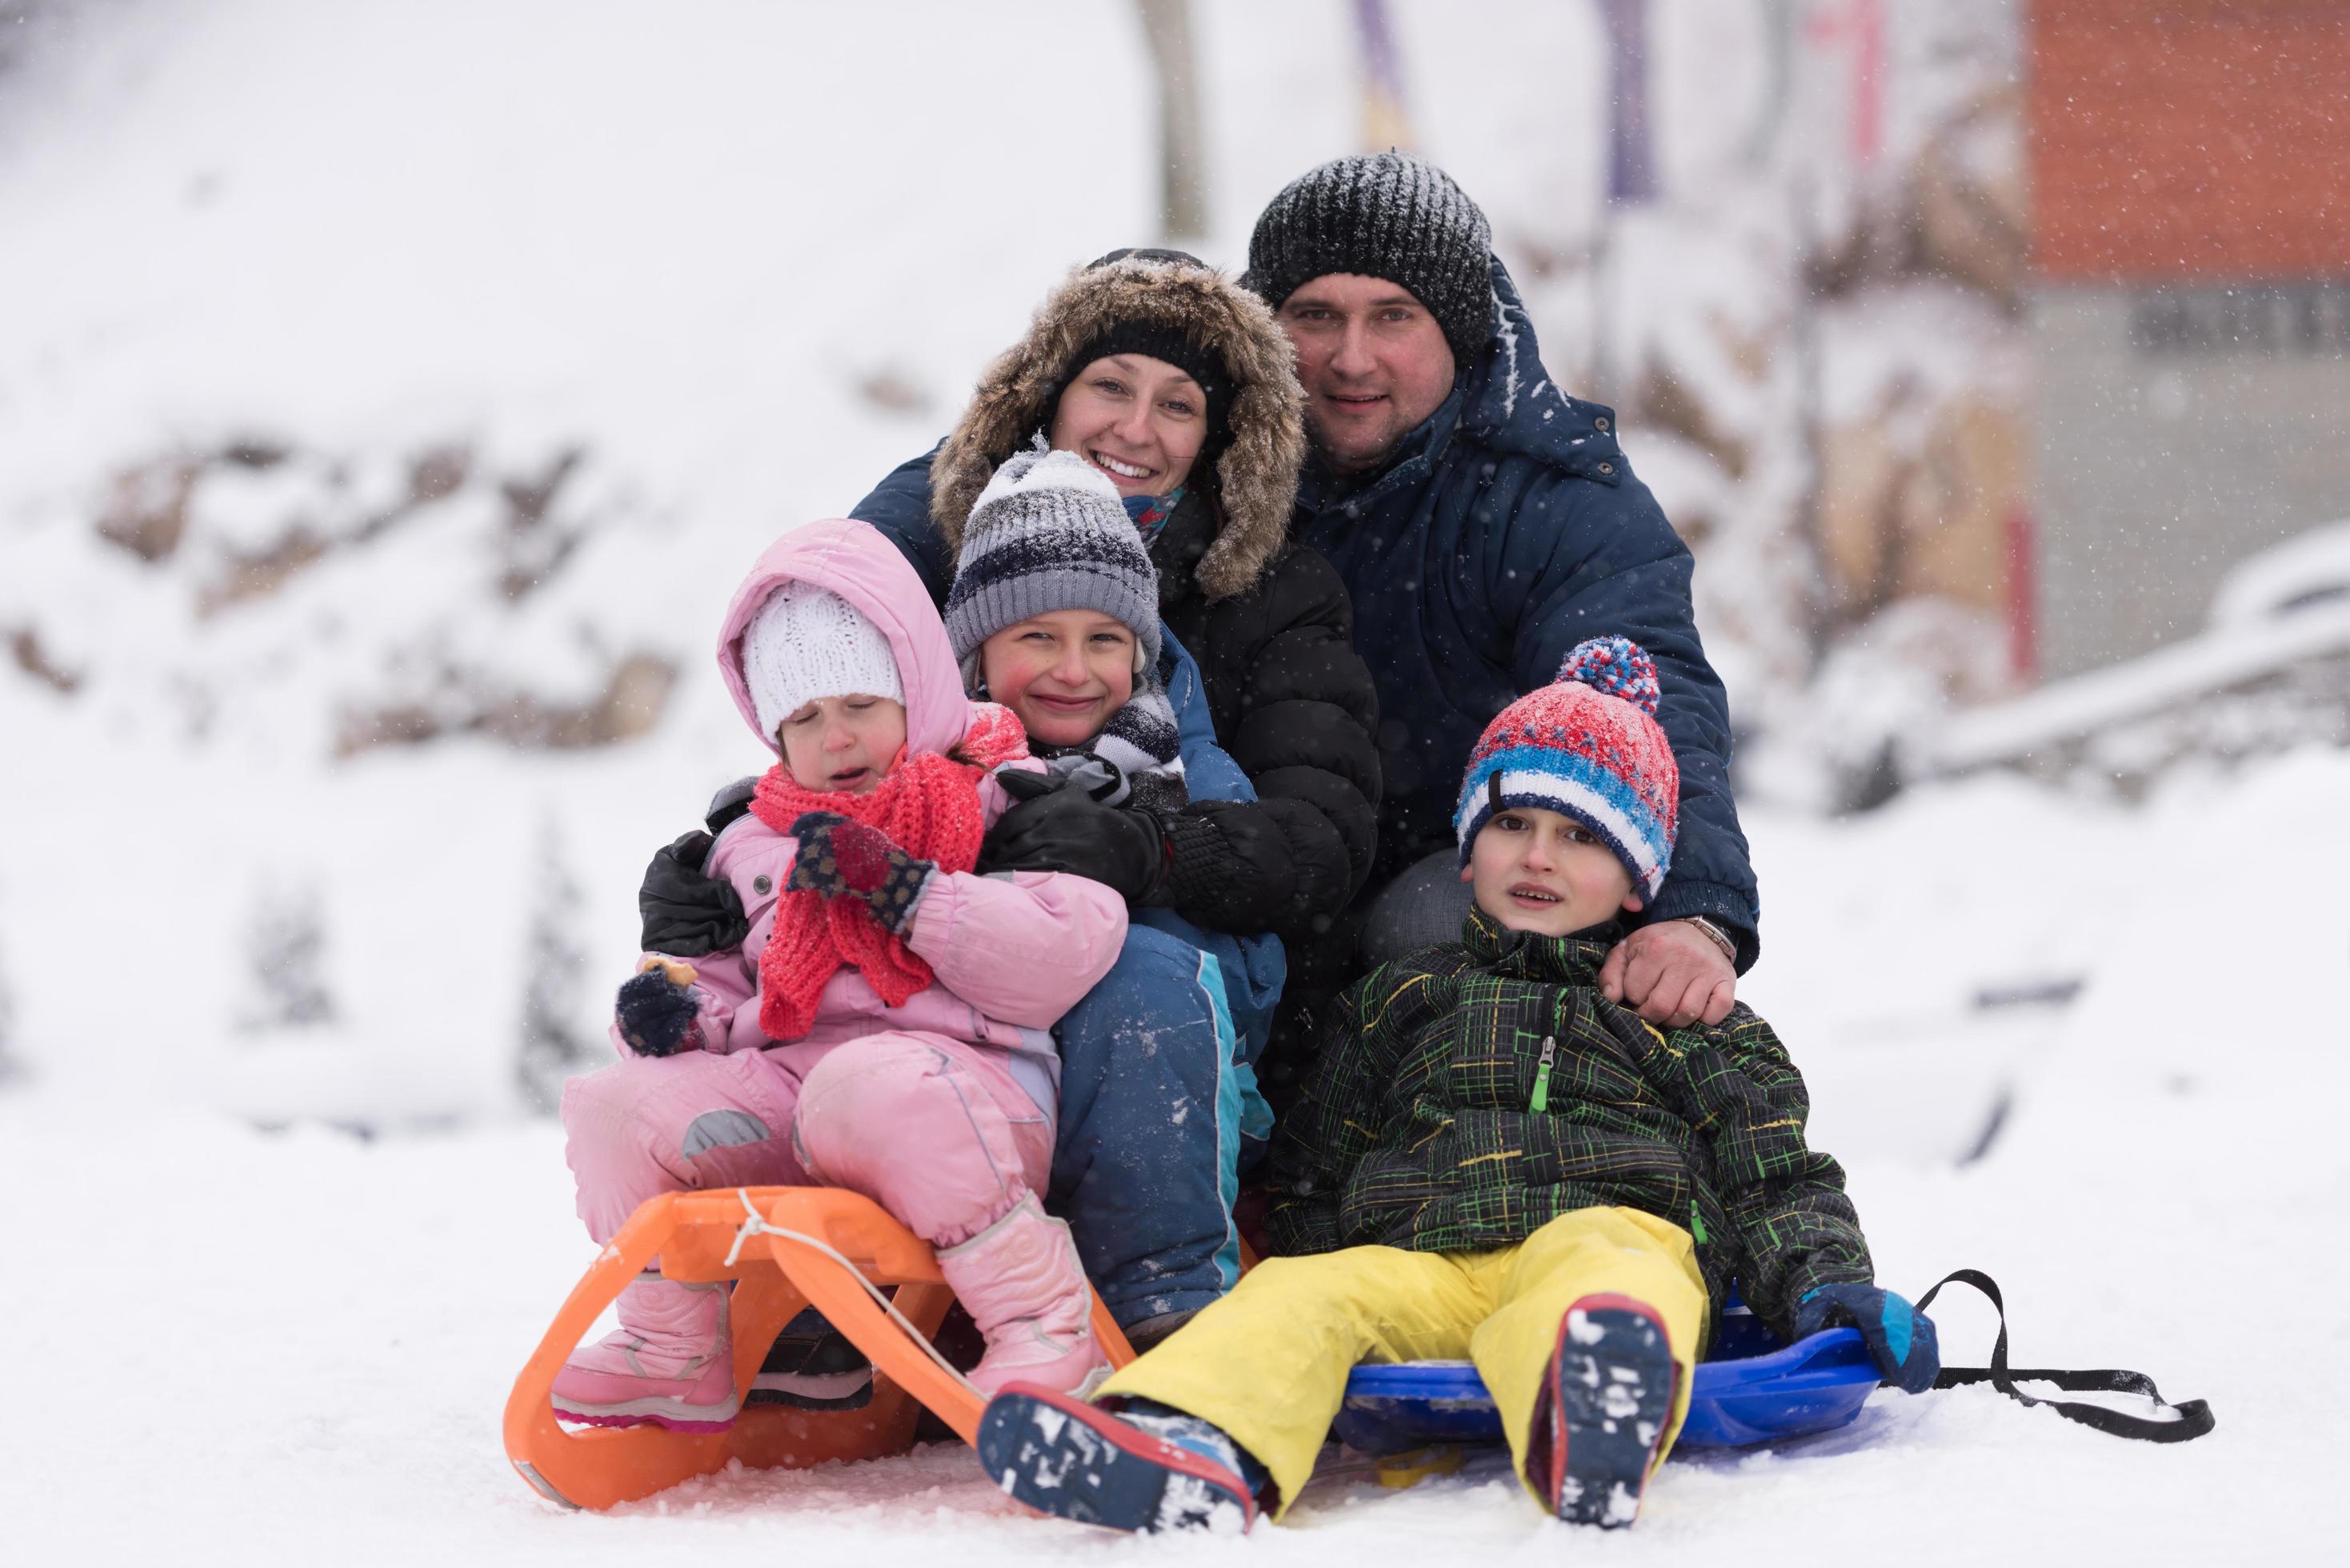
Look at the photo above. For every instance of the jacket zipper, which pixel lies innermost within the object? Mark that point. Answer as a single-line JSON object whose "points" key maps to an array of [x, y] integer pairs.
{"points": [[1542, 1075]]}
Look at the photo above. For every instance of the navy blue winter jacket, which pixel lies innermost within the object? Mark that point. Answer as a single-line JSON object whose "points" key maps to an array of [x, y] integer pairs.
{"points": [[1508, 529]]}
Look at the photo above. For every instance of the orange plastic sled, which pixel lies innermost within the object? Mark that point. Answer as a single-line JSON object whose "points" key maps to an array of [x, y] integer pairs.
{"points": [[729, 1235]]}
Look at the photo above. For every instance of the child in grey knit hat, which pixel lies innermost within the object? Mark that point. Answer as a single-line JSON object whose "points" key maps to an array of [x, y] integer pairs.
{"points": [[1048, 536]]}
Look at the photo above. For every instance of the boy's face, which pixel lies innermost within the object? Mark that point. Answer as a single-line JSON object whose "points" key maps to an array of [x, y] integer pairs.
{"points": [[1066, 673], [1536, 870]]}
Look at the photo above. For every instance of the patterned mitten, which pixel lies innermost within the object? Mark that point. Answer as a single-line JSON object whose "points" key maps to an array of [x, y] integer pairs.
{"points": [[839, 857], [656, 1009], [1899, 1337]]}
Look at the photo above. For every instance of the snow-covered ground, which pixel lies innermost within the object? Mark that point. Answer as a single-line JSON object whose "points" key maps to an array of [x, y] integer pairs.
{"points": [[235, 1346], [742, 258]]}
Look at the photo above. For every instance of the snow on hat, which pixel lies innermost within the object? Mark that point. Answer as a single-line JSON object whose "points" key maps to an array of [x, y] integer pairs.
{"points": [[1050, 533], [1588, 747], [1389, 216], [807, 642]]}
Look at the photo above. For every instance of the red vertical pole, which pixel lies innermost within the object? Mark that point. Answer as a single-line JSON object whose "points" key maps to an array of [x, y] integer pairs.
{"points": [[2022, 595], [1860, 23], [1868, 81]]}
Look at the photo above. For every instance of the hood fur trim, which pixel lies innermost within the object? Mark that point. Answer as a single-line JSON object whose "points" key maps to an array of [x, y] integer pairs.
{"points": [[1256, 477]]}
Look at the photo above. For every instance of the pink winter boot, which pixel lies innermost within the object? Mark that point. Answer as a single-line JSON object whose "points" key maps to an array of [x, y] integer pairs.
{"points": [[1021, 1281], [671, 1362]]}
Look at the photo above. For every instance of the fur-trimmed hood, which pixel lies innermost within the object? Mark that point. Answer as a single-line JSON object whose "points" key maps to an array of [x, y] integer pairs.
{"points": [[1255, 480]]}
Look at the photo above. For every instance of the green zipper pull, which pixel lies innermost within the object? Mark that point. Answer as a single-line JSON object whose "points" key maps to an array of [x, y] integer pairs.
{"points": [[1697, 1223], [1542, 1075]]}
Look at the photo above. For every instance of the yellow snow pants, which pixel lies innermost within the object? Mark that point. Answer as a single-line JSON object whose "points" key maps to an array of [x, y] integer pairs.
{"points": [[1269, 1363]]}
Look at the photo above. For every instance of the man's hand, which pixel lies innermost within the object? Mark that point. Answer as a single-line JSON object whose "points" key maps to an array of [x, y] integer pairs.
{"points": [[683, 911], [1671, 974]]}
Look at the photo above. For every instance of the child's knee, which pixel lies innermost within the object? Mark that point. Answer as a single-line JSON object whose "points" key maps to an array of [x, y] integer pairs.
{"points": [[1331, 1281], [603, 1112], [1603, 1231], [1162, 988], [673, 1114], [880, 1073], [1151, 965], [881, 1092], [907, 1125]]}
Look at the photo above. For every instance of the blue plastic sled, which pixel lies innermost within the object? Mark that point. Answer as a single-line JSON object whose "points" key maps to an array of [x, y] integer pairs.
{"points": [[1754, 1390]]}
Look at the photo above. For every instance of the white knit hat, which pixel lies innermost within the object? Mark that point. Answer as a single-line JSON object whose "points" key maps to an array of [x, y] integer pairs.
{"points": [[807, 642]]}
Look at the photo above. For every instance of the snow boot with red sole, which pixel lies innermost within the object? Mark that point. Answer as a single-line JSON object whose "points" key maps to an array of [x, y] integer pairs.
{"points": [[1610, 1397], [1140, 1472]]}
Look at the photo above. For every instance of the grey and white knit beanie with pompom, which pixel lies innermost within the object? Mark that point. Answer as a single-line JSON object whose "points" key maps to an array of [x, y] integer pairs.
{"points": [[1050, 533], [806, 642]]}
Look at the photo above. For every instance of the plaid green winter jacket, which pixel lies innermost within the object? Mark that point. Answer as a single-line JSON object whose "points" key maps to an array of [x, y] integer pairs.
{"points": [[1469, 1093]]}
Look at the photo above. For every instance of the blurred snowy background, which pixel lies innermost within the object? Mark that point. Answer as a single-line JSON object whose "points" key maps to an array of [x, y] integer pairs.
{"points": [[389, 396]]}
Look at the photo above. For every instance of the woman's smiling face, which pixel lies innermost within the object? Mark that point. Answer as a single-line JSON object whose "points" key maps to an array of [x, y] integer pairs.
{"points": [[1138, 419]]}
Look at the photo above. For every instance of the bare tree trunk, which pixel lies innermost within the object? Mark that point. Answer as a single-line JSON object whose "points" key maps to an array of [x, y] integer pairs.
{"points": [[552, 1047], [9, 1066], [1182, 166]]}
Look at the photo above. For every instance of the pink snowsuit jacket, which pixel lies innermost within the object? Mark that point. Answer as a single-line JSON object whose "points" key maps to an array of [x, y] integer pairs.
{"points": [[1011, 953]]}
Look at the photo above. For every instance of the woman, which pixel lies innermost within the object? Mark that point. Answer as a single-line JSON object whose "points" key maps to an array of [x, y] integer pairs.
{"points": [[1175, 384]]}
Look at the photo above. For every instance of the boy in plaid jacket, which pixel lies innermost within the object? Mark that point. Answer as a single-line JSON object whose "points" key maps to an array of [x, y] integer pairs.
{"points": [[1492, 1159]]}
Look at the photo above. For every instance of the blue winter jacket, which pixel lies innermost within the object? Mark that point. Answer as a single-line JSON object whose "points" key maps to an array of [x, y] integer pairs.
{"points": [[1508, 528]]}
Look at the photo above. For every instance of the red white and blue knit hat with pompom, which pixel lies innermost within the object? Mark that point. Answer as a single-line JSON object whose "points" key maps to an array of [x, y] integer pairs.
{"points": [[1589, 748]]}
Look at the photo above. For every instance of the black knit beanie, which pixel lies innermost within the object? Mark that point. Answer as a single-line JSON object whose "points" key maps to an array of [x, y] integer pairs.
{"points": [[1389, 216]]}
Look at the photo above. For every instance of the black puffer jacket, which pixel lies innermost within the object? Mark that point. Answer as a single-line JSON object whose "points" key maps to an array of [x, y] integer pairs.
{"points": [[1268, 621], [1292, 702]]}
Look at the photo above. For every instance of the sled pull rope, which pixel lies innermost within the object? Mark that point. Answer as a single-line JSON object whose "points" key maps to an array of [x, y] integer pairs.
{"points": [[755, 1224], [2187, 1421]]}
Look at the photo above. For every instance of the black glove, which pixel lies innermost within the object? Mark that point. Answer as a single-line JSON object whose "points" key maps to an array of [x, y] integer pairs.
{"points": [[1053, 828], [683, 911], [838, 856], [1901, 1339], [655, 1011]]}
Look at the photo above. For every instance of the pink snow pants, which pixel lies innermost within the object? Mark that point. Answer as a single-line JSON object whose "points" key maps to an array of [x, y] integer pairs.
{"points": [[935, 1130]]}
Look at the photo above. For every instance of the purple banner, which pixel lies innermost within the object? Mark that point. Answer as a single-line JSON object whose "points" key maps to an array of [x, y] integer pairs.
{"points": [[1631, 168]]}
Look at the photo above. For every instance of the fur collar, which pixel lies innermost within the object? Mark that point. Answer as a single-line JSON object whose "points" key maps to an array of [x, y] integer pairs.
{"points": [[1255, 480]]}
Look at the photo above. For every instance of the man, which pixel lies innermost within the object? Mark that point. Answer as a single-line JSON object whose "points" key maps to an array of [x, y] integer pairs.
{"points": [[1484, 522]]}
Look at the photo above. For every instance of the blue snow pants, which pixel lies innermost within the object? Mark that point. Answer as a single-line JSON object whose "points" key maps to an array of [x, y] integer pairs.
{"points": [[1158, 1109]]}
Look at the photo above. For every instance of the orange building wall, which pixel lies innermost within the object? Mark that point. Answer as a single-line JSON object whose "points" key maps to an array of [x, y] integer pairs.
{"points": [[2190, 140]]}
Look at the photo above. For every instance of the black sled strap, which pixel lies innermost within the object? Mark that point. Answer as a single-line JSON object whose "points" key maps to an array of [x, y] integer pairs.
{"points": [[2186, 1421]]}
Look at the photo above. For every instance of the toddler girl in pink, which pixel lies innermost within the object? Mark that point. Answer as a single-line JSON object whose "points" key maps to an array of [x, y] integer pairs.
{"points": [[885, 1027]]}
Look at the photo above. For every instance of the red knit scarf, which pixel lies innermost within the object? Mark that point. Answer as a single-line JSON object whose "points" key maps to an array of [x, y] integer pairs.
{"points": [[929, 805]]}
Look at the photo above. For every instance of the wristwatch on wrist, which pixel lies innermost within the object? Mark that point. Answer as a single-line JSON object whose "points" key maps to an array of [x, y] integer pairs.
{"points": [[1716, 935]]}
